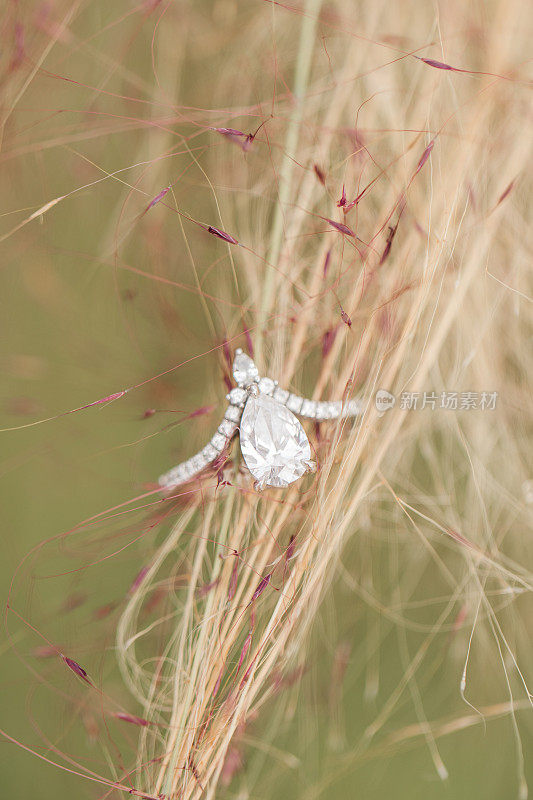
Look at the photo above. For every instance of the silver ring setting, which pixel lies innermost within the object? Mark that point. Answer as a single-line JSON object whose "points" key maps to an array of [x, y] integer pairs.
{"points": [[274, 445]]}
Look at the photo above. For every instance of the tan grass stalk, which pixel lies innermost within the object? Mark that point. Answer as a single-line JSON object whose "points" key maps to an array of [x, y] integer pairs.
{"points": [[424, 318]]}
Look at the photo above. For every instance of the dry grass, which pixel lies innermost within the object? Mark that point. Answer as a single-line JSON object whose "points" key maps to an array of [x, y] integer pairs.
{"points": [[432, 292], [447, 308]]}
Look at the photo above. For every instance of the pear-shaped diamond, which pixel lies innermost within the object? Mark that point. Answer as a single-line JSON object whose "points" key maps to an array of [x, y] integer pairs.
{"points": [[273, 443]]}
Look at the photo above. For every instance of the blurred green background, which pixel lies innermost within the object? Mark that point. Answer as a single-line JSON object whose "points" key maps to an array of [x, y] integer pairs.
{"points": [[77, 325]]}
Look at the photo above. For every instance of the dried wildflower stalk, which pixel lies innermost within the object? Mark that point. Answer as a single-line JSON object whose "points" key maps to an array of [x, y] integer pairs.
{"points": [[364, 228], [257, 566]]}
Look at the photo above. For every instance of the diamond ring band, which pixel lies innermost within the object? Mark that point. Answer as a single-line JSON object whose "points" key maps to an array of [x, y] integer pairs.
{"points": [[274, 445]]}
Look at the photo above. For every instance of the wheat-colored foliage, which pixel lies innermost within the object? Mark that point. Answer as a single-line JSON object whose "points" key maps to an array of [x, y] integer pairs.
{"points": [[416, 527], [448, 309]]}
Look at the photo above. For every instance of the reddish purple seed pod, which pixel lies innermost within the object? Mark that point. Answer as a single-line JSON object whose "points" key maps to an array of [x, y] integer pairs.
{"points": [[319, 172], [138, 580], [133, 720], [243, 140], [19, 49], [349, 206], [328, 339], [505, 193], [263, 583], [425, 155], [226, 237], [289, 552], [326, 262], [76, 668], [200, 412], [390, 236], [339, 226], [229, 131], [438, 64], [206, 588], [158, 197], [245, 648], [218, 682], [345, 318], [108, 399]]}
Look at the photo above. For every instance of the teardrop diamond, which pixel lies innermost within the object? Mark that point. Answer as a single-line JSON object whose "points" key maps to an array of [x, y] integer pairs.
{"points": [[273, 442]]}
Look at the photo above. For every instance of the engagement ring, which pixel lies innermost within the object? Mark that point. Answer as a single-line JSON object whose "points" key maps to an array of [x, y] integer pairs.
{"points": [[274, 445]]}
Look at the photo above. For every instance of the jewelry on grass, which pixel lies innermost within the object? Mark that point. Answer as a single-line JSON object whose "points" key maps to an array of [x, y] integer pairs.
{"points": [[274, 445]]}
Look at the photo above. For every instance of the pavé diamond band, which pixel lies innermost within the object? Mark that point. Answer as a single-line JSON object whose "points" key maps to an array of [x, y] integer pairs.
{"points": [[274, 445]]}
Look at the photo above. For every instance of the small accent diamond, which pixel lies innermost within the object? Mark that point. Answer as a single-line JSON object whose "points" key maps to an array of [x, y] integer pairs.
{"points": [[308, 408], [267, 385], [336, 408], [227, 428], [244, 370], [281, 395], [237, 397], [198, 462], [323, 410], [188, 469], [233, 413], [219, 442], [294, 403], [209, 453]]}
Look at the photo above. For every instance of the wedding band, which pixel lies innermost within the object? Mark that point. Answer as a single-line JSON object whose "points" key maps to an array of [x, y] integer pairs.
{"points": [[274, 445]]}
